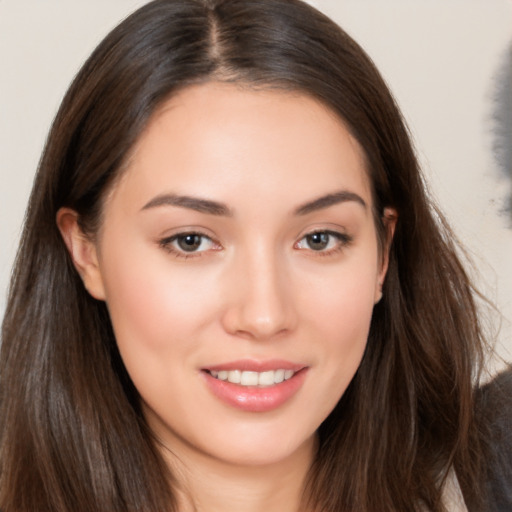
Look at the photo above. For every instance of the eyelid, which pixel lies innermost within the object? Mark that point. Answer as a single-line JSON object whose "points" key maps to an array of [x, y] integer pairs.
{"points": [[343, 239], [166, 243]]}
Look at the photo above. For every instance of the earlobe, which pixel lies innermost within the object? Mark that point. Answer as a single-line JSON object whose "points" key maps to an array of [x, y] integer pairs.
{"points": [[82, 251], [389, 219]]}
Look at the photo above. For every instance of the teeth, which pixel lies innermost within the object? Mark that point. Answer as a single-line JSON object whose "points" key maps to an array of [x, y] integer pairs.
{"points": [[234, 376], [249, 379], [266, 378], [288, 374], [261, 379], [278, 376]]}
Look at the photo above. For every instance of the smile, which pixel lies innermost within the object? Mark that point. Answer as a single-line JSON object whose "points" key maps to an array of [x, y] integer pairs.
{"points": [[255, 386], [251, 378]]}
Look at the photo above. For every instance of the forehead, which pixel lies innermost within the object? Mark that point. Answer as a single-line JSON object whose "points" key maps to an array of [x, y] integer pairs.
{"points": [[215, 139]]}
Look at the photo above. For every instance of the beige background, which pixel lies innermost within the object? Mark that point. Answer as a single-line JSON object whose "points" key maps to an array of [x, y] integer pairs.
{"points": [[440, 58]]}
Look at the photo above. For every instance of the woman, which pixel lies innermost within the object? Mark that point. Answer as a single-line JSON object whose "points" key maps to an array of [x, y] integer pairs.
{"points": [[231, 289]]}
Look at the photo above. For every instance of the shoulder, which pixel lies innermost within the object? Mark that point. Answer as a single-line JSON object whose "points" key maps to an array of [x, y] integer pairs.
{"points": [[495, 407]]}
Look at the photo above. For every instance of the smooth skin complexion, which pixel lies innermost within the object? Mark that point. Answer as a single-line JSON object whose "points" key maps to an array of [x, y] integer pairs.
{"points": [[239, 245]]}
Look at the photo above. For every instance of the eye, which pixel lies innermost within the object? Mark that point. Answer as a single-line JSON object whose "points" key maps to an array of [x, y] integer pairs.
{"points": [[324, 241], [184, 244]]}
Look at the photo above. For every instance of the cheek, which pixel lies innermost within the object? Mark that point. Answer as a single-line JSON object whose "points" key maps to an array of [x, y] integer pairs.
{"points": [[339, 312], [342, 301], [151, 305], [350, 309]]}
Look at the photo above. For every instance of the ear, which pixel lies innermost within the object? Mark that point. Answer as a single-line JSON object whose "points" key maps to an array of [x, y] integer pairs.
{"points": [[82, 250], [389, 219]]}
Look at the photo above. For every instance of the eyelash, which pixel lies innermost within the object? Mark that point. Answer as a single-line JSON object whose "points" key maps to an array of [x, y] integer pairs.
{"points": [[167, 244], [343, 241]]}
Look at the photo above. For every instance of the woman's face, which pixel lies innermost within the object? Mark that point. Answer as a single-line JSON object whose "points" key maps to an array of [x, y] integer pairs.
{"points": [[240, 245]]}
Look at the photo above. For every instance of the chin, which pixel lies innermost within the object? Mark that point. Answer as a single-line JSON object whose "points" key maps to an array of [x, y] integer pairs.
{"points": [[263, 448]]}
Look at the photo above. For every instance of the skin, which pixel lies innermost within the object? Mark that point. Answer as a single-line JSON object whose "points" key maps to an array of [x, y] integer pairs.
{"points": [[256, 288]]}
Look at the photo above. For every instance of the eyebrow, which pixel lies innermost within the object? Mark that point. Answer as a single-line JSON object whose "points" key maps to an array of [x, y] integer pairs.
{"points": [[330, 200], [220, 209], [192, 203]]}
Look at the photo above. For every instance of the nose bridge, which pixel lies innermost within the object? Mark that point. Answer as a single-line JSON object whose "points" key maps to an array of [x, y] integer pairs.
{"points": [[261, 306]]}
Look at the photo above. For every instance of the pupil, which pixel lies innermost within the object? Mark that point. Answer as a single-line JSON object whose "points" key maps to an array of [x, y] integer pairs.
{"points": [[189, 242], [318, 241]]}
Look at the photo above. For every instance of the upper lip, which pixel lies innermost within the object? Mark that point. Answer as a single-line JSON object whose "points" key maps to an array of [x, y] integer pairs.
{"points": [[251, 365]]}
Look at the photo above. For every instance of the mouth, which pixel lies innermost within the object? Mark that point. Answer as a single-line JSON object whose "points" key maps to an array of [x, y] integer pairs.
{"points": [[253, 386], [252, 378]]}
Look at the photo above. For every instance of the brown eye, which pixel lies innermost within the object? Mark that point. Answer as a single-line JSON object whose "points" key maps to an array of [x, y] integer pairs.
{"points": [[189, 243], [325, 242], [318, 241]]}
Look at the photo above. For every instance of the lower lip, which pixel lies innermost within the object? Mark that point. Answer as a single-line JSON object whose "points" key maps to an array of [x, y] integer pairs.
{"points": [[255, 399]]}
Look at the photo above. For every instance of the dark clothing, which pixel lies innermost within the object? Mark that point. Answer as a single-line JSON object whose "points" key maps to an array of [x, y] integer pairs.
{"points": [[495, 403]]}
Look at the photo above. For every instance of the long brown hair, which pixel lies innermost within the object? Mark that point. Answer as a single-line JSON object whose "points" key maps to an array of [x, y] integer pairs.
{"points": [[72, 436]]}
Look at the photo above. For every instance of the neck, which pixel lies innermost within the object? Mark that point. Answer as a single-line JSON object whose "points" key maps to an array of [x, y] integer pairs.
{"points": [[210, 485]]}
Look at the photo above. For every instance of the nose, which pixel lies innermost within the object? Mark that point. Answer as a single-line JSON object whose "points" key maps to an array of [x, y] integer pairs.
{"points": [[261, 305]]}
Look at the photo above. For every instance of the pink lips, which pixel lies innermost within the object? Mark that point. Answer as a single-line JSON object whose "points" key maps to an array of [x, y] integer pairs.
{"points": [[254, 398]]}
